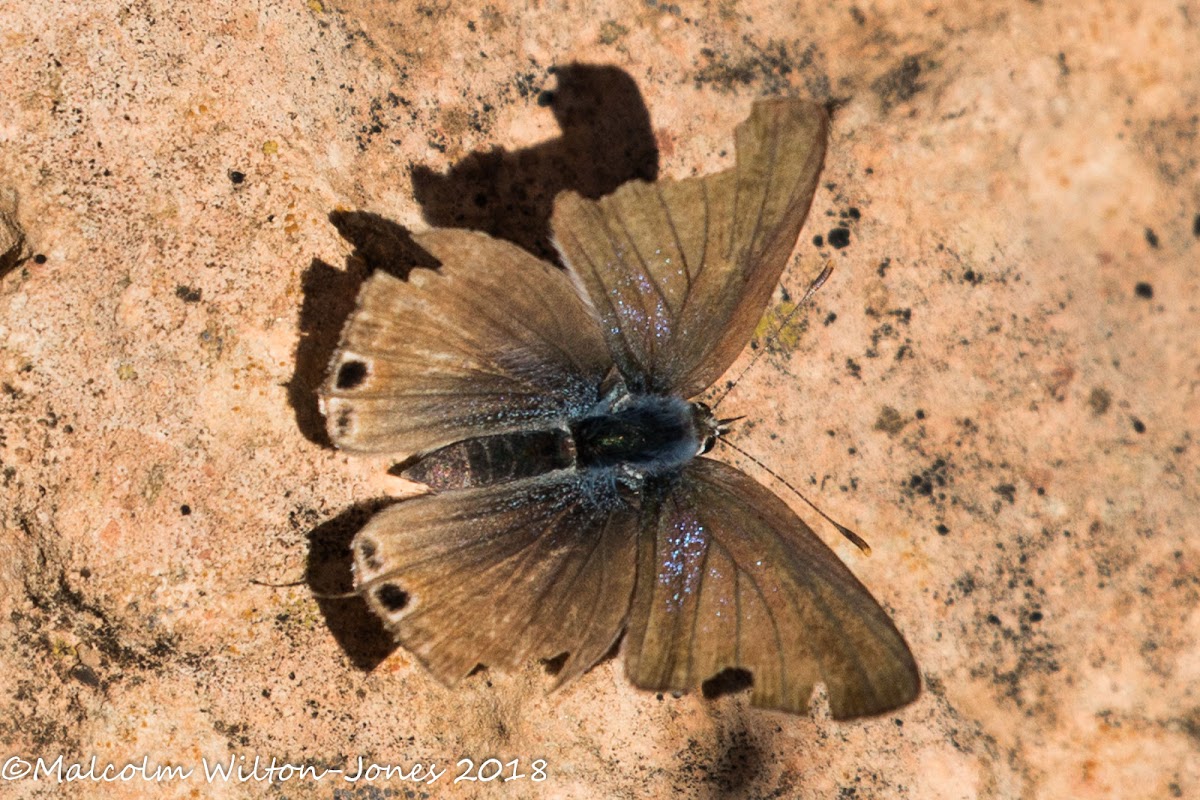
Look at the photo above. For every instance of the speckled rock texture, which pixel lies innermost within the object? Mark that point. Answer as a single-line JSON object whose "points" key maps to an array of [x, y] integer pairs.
{"points": [[997, 386]]}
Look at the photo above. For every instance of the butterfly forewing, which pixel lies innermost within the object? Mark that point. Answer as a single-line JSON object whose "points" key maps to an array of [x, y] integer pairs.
{"points": [[494, 340], [729, 577], [502, 575], [679, 272]]}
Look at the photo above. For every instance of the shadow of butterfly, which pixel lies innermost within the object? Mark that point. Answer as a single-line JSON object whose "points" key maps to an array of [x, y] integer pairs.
{"points": [[550, 414]]}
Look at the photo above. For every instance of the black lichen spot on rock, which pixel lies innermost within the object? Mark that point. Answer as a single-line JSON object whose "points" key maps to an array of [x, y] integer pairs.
{"points": [[928, 482], [392, 597], [890, 421], [1196, 226], [526, 84], [1099, 400], [839, 238], [1138, 425], [40, 258], [769, 65], [942, 529], [1144, 290], [1007, 491], [1152, 238], [187, 294], [236, 177], [819, 240], [351, 375], [899, 84], [972, 277]]}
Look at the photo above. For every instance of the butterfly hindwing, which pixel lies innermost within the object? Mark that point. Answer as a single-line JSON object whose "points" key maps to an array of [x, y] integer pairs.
{"points": [[494, 340], [730, 578], [502, 575], [679, 272]]}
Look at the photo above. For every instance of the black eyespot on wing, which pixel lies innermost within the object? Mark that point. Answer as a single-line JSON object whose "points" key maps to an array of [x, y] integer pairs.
{"points": [[369, 552], [726, 557], [727, 681], [422, 363], [392, 597], [505, 574], [351, 375], [554, 666]]}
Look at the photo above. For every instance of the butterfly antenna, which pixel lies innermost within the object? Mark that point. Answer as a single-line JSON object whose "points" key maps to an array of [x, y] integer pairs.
{"points": [[257, 582], [318, 595], [854, 538], [812, 289]]}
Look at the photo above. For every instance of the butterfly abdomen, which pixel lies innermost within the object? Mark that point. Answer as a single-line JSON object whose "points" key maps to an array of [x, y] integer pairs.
{"points": [[645, 435], [488, 460]]}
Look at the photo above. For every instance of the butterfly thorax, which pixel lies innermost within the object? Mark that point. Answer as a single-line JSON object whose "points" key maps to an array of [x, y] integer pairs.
{"points": [[644, 435], [636, 435]]}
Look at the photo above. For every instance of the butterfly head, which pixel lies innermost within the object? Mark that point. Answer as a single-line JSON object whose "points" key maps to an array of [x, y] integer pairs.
{"points": [[708, 428]]}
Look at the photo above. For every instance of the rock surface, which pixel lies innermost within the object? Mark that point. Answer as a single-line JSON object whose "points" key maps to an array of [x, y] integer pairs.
{"points": [[997, 387]]}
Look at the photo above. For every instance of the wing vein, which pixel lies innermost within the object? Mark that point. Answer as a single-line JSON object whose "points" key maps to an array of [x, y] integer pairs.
{"points": [[751, 247], [649, 338], [599, 284], [666, 209]]}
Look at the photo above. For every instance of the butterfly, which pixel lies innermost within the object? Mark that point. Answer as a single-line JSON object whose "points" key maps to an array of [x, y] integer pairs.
{"points": [[550, 414]]}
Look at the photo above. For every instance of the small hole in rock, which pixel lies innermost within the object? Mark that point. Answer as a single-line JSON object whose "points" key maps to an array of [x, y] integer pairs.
{"points": [[392, 597], [351, 374]]}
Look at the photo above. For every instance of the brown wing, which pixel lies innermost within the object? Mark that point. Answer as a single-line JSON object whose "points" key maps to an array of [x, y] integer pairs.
{"points": [[729, 577], [502, 575], [493, 341], [679, 272]]}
